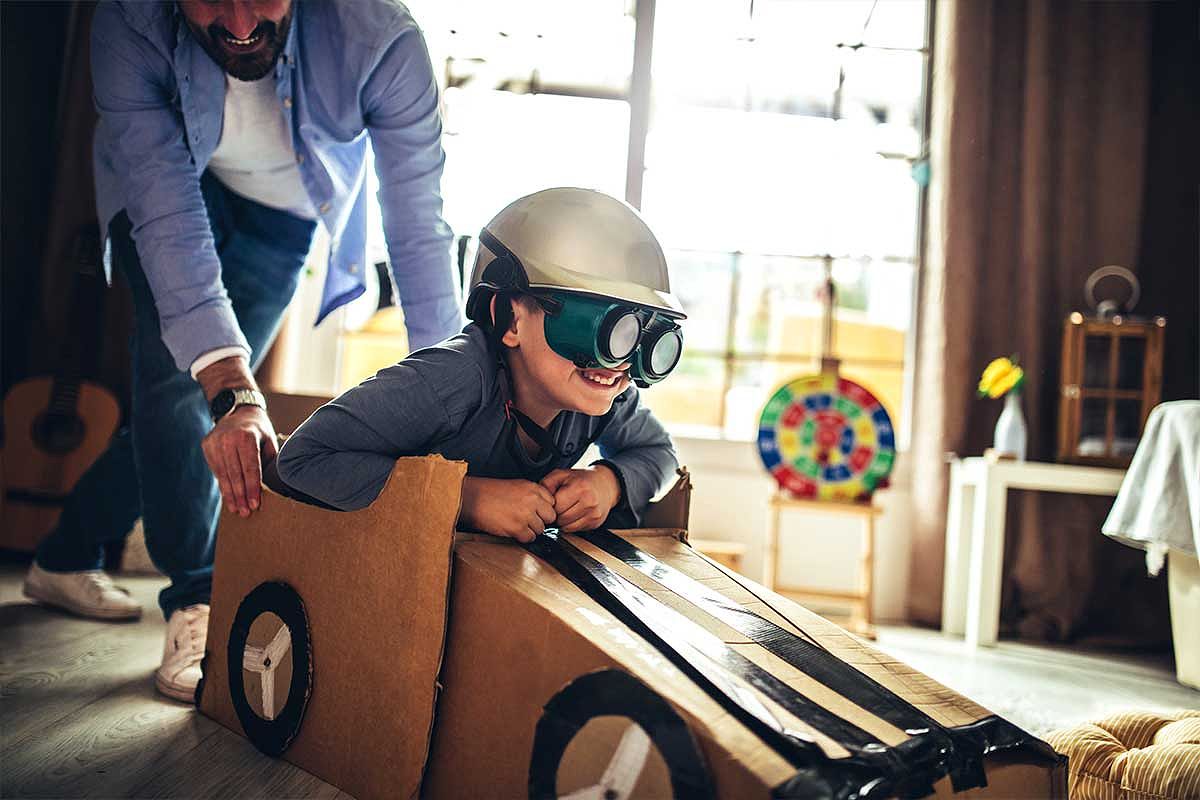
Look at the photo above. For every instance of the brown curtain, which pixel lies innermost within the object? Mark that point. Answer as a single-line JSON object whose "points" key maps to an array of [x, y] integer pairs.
{"points": [[1038, 150]]}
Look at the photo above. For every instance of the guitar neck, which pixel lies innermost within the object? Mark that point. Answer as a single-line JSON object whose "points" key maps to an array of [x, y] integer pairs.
{"points": [[81, 338]]}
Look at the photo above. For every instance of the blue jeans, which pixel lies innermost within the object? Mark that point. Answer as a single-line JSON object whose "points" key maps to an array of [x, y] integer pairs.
{"points": [[155, 468]]}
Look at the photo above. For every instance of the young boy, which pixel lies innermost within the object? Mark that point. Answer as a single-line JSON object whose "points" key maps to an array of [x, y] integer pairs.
{"points": [[570, 304]]}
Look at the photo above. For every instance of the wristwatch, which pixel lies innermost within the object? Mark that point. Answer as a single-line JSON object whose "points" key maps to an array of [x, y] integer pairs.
{"points": [[226, 400]]}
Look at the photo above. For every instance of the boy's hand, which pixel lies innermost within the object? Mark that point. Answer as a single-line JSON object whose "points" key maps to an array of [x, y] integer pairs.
{"points": [[583, 497], [515, 508]]}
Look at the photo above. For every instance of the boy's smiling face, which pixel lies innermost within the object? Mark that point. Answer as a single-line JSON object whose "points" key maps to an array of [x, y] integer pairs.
{"points": [[545, 382]]}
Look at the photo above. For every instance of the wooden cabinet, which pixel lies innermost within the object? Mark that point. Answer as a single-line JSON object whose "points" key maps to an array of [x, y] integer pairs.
{"points": [[1111, 378]]}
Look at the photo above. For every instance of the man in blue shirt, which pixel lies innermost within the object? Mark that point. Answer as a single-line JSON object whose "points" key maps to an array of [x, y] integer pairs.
{"points": [[228, 131]]}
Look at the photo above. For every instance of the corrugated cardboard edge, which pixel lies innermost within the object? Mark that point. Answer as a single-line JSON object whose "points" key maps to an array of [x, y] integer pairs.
{"points": [[271, 545]]}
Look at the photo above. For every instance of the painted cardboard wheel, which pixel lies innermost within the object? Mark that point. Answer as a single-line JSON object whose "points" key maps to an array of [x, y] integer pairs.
{"points": [[608, 736], [271, 730]]}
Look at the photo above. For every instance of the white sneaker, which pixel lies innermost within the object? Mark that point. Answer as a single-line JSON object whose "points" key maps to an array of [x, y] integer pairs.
{"points": [[187, 632], [89, 594]]}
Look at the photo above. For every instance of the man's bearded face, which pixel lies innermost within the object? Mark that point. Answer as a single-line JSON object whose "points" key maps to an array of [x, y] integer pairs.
{"points": [[244, 37]]}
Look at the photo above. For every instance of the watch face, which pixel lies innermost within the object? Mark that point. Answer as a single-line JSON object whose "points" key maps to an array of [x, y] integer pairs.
{"points": [[222, 403]]}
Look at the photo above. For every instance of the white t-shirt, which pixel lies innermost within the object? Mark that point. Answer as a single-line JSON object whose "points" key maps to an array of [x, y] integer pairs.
{"points": [[254, 156]]}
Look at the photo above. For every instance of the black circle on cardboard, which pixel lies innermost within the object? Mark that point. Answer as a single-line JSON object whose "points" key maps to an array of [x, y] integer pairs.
{"points": [[272, 736], [614, 692]]}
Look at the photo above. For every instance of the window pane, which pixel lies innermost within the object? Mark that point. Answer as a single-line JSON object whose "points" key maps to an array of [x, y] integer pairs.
{"points": [[779, 310], [1131, 359], [530, 45], [689, 400], [884, 86], [500, 146], [702, 283], [774, 183]]}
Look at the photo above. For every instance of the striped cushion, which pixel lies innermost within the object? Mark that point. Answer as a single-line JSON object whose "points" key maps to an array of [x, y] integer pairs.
{"points": [[1134, 756]]}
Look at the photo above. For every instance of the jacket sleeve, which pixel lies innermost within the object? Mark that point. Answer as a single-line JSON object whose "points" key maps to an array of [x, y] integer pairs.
{"points": [[342, 454], [400, 105], [638, 448], [145, 143]]}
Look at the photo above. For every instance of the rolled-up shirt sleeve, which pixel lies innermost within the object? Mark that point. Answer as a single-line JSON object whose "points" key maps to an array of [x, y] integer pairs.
{"points": [[400, 105], [146, 145], [639, 450]]}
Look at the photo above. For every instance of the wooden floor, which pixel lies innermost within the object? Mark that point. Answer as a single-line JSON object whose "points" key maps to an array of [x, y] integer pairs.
{"points": [[79, 716]]}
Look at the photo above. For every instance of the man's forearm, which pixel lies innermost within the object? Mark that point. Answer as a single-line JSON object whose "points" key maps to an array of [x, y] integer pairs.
{"points": [[228, 373]]}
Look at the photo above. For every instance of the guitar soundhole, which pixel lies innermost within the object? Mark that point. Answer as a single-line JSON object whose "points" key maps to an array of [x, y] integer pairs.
{"points": [[58, 433]]}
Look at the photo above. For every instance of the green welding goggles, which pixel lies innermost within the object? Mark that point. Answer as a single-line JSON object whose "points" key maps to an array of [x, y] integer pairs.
{"points": [[599, 332]]}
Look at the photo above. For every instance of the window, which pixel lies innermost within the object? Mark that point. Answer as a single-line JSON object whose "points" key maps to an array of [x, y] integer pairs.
{"points": [[779, 138]]}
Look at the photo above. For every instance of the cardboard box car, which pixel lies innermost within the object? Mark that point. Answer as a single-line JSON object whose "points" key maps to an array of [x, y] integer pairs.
{"points": [[326, 638], [542, 684]]}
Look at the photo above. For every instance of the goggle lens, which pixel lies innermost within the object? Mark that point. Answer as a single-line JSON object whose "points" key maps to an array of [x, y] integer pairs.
{"points": [[623, 336], [665, 354]]}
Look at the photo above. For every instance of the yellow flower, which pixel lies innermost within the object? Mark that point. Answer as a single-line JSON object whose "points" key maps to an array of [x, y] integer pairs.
{"points": [[1000, 376], [998, 367], [1007, 382]]}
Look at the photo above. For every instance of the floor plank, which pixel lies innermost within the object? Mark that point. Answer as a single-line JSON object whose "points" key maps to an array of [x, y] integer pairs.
{"points": [[94, 752], [228, 766], [79, 716]]}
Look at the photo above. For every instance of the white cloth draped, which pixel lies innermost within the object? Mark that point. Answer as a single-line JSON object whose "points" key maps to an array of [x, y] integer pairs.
{"points": [[1158, 507]]}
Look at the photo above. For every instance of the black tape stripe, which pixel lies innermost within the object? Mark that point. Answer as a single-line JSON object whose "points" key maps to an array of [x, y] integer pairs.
{"points": [[872, 770], [958, 751], [813, 660]]}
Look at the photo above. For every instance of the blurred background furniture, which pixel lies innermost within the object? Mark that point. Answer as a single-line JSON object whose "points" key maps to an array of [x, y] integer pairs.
{"points": [[1111, 376], [1158, 510], [975, 533], [860, 601]]}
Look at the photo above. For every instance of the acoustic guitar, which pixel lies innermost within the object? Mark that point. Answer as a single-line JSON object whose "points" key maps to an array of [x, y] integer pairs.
{"points": [[56, 426]]}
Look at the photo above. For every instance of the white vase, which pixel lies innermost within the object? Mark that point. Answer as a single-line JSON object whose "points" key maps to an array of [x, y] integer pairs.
{"points": [[1010, 428]]}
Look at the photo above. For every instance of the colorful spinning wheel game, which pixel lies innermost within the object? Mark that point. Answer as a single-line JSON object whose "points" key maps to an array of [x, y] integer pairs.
{"points": [[824, 437]]}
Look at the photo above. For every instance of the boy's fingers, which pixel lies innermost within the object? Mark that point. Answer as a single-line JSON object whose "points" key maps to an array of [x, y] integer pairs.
{"points": [[554, 479], [545, 511], [544, 493], [567, 496], [572, 514]]}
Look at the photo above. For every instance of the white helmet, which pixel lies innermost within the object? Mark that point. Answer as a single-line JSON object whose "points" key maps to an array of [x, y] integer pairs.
{"points": [[571, 240]]}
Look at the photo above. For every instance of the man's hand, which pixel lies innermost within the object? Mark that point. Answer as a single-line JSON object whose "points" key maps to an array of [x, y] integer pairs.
{"points": [[239, 443], [583, 497], [517, 509], [235, 450]]}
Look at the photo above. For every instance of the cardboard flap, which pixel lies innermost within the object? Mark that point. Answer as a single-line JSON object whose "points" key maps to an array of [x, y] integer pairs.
{"points": [[374, 585], [673, 509]]}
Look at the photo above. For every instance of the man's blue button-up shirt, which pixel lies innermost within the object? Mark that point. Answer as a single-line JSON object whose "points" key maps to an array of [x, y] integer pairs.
{"points": [[349, 70]]}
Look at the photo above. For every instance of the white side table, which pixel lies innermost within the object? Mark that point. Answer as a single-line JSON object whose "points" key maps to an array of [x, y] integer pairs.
{"points": [[975, 533]]}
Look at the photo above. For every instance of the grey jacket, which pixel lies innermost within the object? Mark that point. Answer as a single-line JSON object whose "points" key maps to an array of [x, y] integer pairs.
{"points": [[449, 399]]}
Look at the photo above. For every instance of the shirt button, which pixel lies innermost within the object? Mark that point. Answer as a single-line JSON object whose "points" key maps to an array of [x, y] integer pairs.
{"points": [[570, 448], [354, 269], [299, 158], [324, 208], [287, 102]]}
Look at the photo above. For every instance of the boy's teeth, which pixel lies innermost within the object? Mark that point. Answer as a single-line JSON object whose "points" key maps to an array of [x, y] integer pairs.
{"points": [[603, 380]]}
